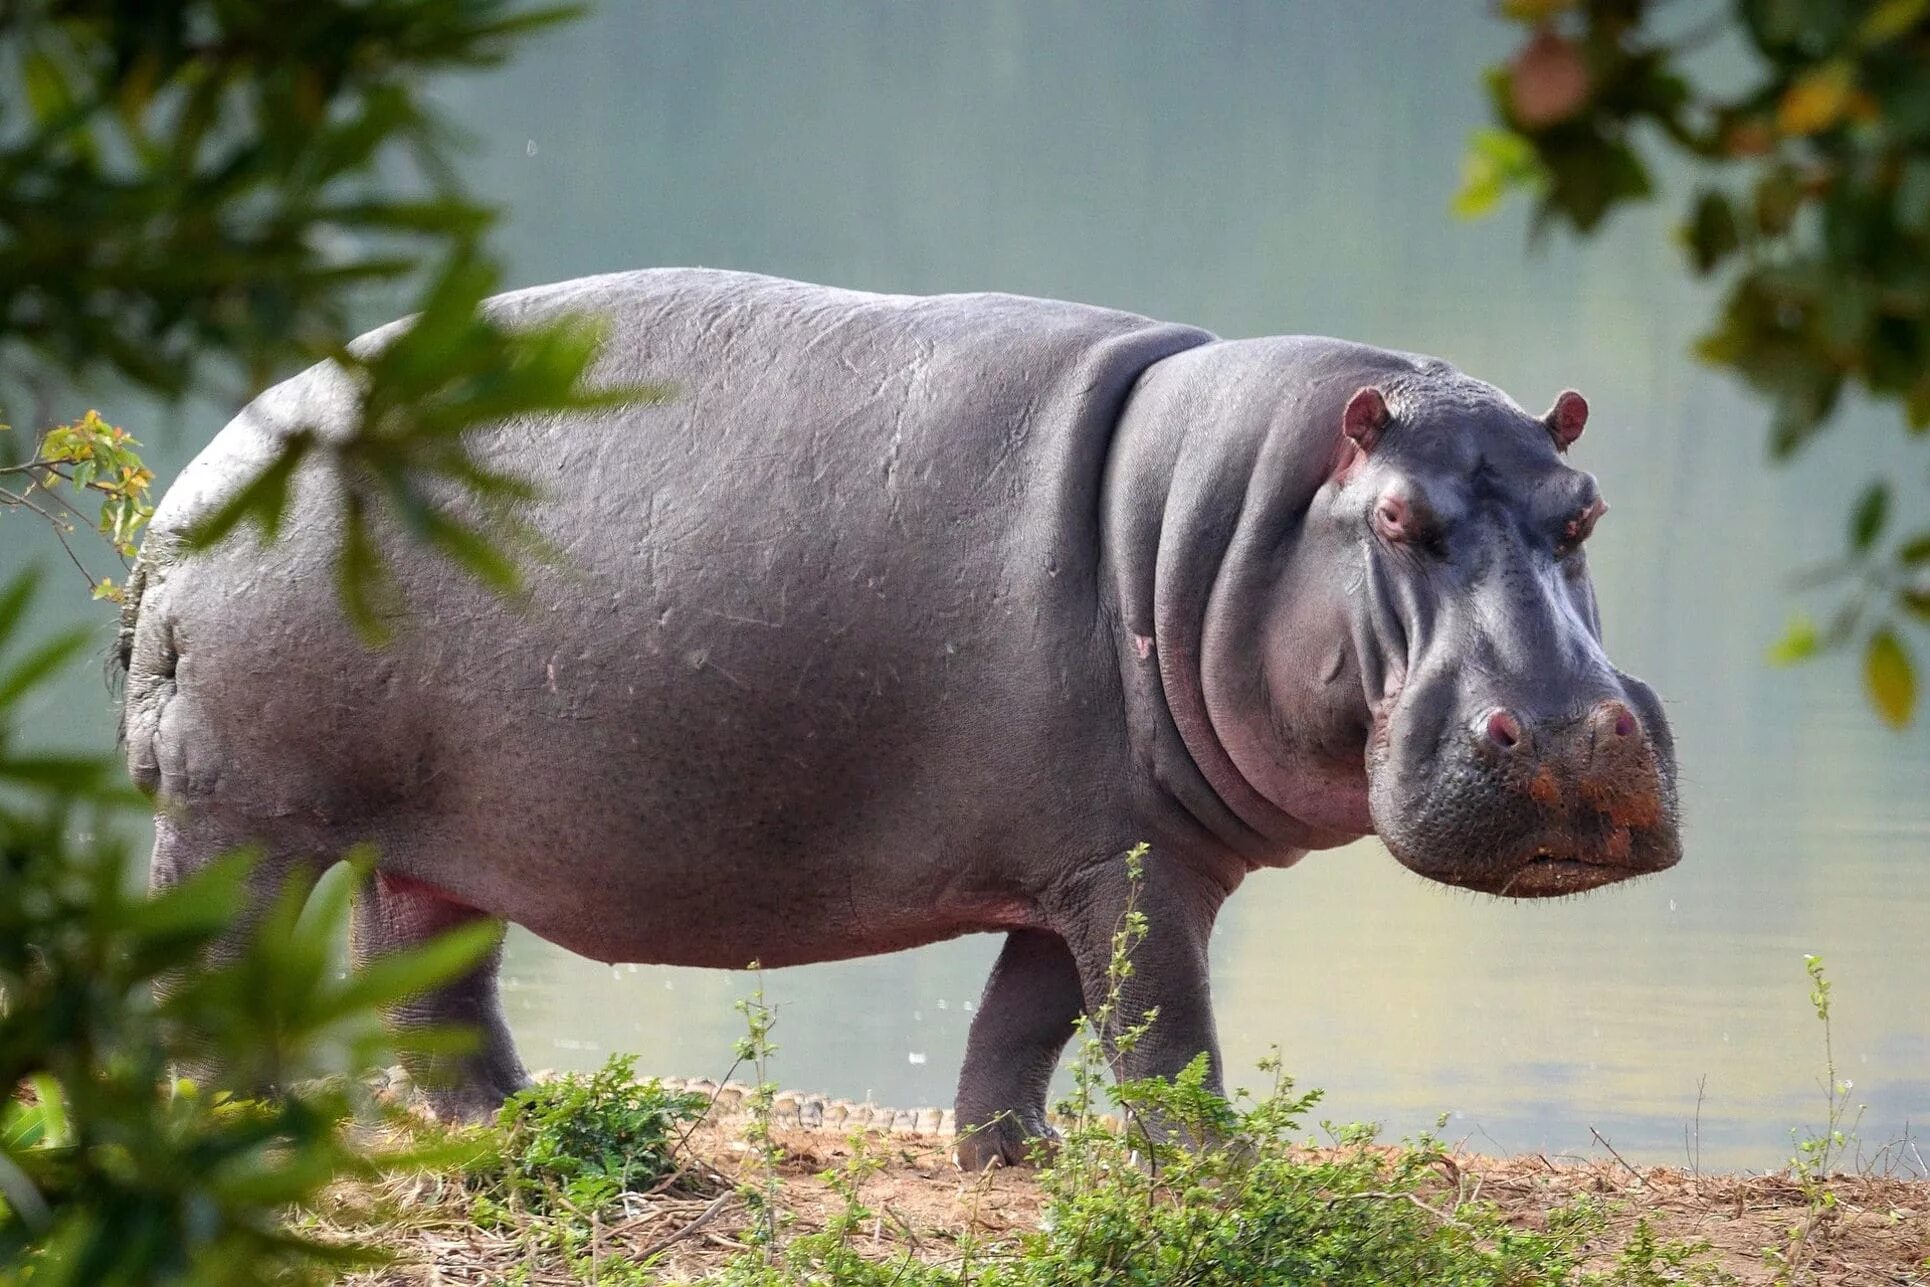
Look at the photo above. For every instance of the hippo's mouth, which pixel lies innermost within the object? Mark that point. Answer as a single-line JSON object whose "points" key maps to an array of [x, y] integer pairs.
{"points": [[1551, 868], [1549, 875]]}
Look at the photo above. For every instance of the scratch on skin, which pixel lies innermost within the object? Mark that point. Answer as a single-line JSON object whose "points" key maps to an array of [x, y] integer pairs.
{"points": [[742, 621], [1143, 645]]}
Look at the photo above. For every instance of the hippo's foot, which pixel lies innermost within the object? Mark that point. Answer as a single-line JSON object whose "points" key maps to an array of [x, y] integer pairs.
{"points": [[1008, 1140], [468, 1105]]}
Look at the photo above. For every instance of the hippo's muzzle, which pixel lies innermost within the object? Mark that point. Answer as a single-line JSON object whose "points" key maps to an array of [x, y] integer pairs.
{"points": [[1541, 808]]}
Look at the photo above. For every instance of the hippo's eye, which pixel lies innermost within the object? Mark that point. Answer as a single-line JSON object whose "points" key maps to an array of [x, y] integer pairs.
{"points": [[1410, 523], [1393, 520], [1577, 529]]}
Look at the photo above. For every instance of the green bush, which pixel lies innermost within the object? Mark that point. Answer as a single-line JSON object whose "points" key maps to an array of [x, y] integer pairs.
{"points": [[582, 1141]]}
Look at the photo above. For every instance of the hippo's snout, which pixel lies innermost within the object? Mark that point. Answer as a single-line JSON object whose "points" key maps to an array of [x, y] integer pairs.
{"points": [[1530, 807]]}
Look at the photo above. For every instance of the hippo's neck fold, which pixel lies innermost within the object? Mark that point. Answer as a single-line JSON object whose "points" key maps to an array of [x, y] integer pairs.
{"points": [[1208, 475]]}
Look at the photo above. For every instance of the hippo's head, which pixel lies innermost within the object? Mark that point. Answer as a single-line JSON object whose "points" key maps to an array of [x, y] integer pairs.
{"points": [[1504, 752], [1353, 583]]}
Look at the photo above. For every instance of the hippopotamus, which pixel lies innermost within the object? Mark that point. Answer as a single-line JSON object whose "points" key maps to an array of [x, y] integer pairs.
{"points": [[903, 618]]}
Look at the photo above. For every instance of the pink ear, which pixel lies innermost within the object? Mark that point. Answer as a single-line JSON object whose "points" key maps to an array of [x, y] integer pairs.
{"points": [[1365, 417], [1567, 418]]}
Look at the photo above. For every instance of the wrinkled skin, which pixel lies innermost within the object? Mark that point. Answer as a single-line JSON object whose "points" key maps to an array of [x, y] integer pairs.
{"points": [[908, 618]]}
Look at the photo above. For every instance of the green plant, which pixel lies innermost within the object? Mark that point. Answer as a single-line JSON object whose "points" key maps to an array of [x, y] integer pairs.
{"points": [[1196, 1191], [1813, 194], [197, 197], [107, 1175], [756, 1049], [1646, 1261], [578, 1143], [1819, 1154], [194, 199]]}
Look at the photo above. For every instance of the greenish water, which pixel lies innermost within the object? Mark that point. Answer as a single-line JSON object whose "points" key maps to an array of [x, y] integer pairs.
{"points": [[1260, 168]]}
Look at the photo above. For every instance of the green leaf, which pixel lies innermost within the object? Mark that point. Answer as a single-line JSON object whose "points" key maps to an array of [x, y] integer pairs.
{"points": [[13, 601], [1890, 677], [38, 664], [263, 500], [1800, 642], [1866, 521], [1497, 162], [1890, 19], [401, 975], [1711, 234], [1915, 550], [362, 580], [57, 1129]]}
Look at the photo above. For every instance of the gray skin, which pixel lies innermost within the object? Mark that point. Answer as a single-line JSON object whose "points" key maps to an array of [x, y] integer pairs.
{"points": [[908, 618]]}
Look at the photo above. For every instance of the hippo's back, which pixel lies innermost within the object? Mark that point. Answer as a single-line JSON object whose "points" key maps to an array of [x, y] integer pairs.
{"points": [[834, 593]]}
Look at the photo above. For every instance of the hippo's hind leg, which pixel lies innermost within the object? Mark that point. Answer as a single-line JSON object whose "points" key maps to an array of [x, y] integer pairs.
{"points": [[393, 913], [185, 841], [1024, 1020]]}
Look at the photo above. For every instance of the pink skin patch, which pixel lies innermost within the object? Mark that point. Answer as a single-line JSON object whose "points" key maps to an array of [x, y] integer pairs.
{"points": [[409, 885], [1143, 645]]}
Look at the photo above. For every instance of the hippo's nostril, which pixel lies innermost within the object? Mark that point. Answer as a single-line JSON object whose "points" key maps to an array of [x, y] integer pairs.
{"points": [[1504, 730], [1614, 719]]}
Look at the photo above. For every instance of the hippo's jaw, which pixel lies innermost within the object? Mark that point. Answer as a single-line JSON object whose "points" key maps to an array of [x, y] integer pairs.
{"points": [[1562, 808]]}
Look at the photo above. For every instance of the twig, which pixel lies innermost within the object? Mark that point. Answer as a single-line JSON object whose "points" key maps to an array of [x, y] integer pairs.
{"points": [[60, 534], [1695, 1156], [1442, 1216], [1603, 1141], [708, 1214]]}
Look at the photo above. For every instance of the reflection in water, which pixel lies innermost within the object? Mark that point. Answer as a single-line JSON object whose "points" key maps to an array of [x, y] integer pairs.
{"points": [[1261, 168]]}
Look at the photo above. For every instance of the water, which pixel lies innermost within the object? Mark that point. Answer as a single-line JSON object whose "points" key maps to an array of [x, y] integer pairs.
{"points": [[1256, 169]]}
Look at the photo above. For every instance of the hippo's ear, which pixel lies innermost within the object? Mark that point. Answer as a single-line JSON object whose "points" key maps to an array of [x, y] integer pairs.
{"points": [[1567, 418], [1365, 418]]}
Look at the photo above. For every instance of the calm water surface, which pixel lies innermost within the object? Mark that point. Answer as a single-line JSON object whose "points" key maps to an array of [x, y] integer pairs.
{"points": [[1265, 168]]}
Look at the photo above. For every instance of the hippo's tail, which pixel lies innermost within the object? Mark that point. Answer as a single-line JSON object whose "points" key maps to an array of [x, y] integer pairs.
{"points": [[144, 653], [130, 615]]}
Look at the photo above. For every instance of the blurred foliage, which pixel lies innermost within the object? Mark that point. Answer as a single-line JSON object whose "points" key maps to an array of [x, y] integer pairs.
{"points": [[1812, 199], [194, 197], [451, 369], [110, 1174]]}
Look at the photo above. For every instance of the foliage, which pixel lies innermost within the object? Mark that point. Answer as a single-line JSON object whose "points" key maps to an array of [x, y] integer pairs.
{"points": [[452, 369], [191, 183], [1813, 198], [107, 1176], [196, 197], [578, 1143], [193, 197], [92, 459]]}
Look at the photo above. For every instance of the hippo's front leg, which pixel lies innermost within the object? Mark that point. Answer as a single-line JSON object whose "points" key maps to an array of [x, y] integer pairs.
{"points": [[1024, 1019], [1042, 978]]}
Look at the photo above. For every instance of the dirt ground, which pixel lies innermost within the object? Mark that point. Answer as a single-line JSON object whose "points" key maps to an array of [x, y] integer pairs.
{"points": [[1878, 1233]]}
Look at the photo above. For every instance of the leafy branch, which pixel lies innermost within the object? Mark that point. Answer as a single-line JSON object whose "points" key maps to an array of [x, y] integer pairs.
{"points": [[1813, 199], [94, 461], [199, 201]]}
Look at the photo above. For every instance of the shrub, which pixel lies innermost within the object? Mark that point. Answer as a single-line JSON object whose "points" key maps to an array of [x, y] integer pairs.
{"points": [[582, 1141]]}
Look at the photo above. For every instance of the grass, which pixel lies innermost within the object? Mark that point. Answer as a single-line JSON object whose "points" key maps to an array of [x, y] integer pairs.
{"points": [[605, 1181]]}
